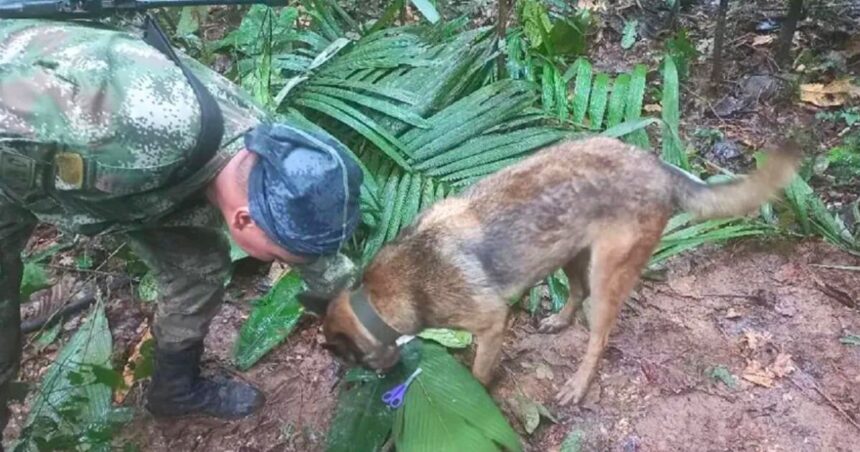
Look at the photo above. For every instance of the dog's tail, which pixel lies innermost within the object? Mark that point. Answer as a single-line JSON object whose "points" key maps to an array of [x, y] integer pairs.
{"points": [[739, 196]]}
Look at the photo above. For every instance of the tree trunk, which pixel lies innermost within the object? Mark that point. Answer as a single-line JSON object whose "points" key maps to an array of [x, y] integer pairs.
{"points": [[719, 37], [786, 34], [501, 33]]}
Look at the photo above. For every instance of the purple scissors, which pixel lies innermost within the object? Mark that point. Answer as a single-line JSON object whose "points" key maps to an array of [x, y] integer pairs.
{"points": [[394, 397]]}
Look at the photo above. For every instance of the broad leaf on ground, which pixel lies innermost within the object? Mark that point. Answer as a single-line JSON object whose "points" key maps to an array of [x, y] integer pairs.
{"points": [[362, 421], [446, 408], [448, 338], [272, 319], [35, 279], [73, 407]]}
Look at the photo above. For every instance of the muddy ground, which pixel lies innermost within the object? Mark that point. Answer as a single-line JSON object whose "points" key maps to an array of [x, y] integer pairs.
{"points": [[737, 348], [774, 303], [720, 307]]}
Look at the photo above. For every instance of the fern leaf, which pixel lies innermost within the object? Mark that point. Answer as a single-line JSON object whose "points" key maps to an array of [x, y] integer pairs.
{"points": [[381, 106], [672, 149], [599, 96], [635, 99], [548, 87], [377, 237], [396, 221], [504, 152], [472, 174], [399, 95], [476, 147], [413, 199], [617, 100], [581, 90], [357, 121], [561, 104]]}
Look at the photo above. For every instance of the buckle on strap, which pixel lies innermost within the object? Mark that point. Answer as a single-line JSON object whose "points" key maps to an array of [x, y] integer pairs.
{"points": [[18, 171]]}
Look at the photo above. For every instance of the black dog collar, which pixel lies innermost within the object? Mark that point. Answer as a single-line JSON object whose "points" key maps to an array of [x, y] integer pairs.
{"points": [[370, 318]]}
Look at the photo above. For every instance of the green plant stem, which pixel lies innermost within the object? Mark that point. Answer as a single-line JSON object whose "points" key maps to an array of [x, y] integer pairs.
{"points": [[501, 31]]}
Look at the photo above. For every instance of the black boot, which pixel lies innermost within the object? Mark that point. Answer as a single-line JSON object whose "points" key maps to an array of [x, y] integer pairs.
{"points": [[4, 409], [178, 390]]}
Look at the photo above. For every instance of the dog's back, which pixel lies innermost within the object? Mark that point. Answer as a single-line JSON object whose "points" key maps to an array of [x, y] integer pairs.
{"points": [[515, 226]]}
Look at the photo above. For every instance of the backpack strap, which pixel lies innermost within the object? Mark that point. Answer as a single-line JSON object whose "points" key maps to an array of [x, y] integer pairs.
{"points": [[211, 119]]}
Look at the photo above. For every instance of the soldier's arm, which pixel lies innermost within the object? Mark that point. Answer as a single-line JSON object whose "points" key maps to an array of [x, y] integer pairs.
{"points": [[325, 277]]}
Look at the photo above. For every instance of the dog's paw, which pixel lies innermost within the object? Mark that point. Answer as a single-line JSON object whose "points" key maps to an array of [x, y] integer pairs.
{"points": [[553, 324]]}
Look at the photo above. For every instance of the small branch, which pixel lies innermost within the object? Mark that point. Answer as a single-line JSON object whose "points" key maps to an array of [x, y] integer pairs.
{"points": [[719, 37], [829, 402], [850, 268], [786, 34], [501, 33]]}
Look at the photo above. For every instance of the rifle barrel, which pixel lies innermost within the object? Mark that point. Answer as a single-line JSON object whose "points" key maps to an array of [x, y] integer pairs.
{"points": [[70, 9]]}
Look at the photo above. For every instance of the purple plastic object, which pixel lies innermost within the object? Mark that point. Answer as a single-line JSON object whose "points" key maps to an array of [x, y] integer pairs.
{"points": [[394, 397]]}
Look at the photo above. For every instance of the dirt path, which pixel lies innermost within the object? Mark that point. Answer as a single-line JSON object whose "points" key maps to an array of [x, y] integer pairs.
{"points": [[722, 307]]}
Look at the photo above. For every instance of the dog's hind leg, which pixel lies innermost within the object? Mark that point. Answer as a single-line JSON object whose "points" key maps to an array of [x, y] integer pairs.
{"points": [[616, 263], [489, 337], [577, 275]]}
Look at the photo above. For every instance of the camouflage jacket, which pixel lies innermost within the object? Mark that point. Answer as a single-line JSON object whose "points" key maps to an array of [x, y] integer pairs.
{"points": [[129, 111], [122, 106]]}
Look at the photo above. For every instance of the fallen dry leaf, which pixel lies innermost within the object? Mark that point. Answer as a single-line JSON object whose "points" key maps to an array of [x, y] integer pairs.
{"points": [[653, 108], [756, 374], [544, 372], [782, 365], [762, 40], [754, 339], [732, 314], [833, 94], [593, 5], [128, 371]]}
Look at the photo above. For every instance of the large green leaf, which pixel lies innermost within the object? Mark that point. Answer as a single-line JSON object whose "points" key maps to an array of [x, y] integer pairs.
{"points": [[673, 151], [447, 409], [72, 409], [34, 279], [272, 319], [427, 10], [362, 422], [448, 338]]}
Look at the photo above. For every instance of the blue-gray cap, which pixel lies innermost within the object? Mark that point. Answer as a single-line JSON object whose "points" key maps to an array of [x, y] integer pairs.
{"points": [[304, 189]]}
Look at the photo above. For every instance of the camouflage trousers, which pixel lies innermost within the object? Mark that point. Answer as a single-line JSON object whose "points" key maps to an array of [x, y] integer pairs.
{"points": [[16, 225], [190, 265]]}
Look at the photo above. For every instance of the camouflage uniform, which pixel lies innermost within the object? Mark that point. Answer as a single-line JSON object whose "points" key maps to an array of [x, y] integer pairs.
{"points": [[71, 93]]}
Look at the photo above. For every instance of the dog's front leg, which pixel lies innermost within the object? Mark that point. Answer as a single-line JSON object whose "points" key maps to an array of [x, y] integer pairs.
{"points": [[490, 338]]}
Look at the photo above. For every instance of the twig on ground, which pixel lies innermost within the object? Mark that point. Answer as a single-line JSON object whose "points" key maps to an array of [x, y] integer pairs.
{"points": [[850, 268], [829, 401]]}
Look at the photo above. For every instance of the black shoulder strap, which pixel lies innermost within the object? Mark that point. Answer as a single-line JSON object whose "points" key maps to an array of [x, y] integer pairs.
{"points": [[211, 120]]}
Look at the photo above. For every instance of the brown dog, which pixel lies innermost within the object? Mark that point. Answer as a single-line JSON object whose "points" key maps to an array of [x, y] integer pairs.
{"points": [[594, 207]]}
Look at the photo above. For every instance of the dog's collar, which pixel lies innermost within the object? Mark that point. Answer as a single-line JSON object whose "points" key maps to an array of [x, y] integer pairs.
{"points": [[371, 320]]}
